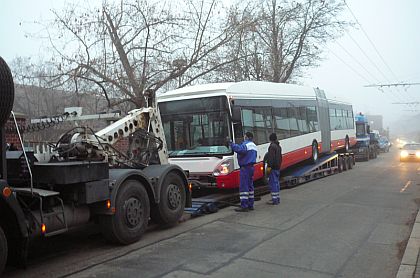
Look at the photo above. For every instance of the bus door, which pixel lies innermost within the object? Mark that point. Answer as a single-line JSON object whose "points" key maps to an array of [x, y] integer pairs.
{"points": [[324, 119]]}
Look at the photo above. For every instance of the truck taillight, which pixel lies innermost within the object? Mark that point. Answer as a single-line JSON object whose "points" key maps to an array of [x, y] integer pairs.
{"points": [[43, 228], [224, 167], [108, 204], [7, 192]]}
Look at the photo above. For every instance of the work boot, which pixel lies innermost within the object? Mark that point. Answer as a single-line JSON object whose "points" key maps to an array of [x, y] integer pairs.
{"points": [[251, 208], [272, 203], [242, 209]]}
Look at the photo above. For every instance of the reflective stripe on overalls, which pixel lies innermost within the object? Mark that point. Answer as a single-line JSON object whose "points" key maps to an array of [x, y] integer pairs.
{"points": [[274, 183], [246, 186]]}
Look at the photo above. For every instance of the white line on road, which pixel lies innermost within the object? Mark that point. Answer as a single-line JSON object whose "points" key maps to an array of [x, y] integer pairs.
{"points": [[405, 186]]}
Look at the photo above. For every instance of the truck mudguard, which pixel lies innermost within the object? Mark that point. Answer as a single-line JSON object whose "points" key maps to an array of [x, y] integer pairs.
{"points": [[118, 176], [158, 173], [14, 206]]}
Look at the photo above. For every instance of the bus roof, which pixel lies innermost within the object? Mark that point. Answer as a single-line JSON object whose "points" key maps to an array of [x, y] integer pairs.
{"points": [[243, 89]]}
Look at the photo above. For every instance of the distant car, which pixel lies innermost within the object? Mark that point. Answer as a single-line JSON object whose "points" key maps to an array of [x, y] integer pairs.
{"points": [[384, 144], [410, 152]]}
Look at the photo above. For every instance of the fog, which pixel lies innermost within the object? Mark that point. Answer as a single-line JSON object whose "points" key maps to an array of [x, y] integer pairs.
{"points": [[390, 25]]}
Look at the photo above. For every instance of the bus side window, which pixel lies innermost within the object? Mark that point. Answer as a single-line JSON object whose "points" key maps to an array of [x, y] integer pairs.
{"points": [[260, 126], [282, 128], [312, 119], [303, 120], [333, 119], [292, 114]]}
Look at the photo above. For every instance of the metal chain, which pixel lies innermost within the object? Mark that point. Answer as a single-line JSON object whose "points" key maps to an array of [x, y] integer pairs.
{"points": [[49, 122]]}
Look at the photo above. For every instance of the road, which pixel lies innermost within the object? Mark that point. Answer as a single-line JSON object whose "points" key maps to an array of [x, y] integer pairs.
{"points": [[353, 224]]}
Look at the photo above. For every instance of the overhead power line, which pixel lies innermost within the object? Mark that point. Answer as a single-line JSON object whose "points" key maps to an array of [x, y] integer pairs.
{"points": [[350, 67], [407, 103], [392, 85], [371, 42]]}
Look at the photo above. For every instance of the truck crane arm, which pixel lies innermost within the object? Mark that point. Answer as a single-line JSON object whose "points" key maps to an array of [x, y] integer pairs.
{"points": [[145, 122]]}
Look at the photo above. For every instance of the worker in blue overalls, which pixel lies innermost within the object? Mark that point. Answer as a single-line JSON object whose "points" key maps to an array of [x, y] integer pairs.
{"points": [[247, 156]]}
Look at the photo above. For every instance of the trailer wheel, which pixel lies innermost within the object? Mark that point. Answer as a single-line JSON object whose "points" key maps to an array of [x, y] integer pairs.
{"points": [[351, 161], [315, 153], [340, 164], [172, 201], [367, 155], [3, 250], [345, 163], [132, 210], [7, 92]]}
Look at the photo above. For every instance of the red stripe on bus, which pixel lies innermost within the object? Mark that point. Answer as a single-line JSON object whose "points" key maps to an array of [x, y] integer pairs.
{"points": [[232, 180]]}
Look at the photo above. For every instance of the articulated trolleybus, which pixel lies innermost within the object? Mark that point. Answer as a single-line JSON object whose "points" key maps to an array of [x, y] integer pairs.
{"points": [[198, 119]]}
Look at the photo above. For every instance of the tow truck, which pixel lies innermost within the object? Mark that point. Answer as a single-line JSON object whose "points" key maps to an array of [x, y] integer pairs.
{"points": [[86, 179], [365, 147]]}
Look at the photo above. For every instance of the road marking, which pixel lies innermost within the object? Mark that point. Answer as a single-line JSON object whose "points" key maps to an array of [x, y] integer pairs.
{"points": [[405, 186]]}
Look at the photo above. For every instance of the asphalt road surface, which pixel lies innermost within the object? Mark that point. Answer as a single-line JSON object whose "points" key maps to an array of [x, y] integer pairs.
{"points": [[353, 224]]}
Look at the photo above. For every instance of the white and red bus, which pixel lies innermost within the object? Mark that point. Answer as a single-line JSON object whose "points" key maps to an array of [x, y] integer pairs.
{"points": [[198, 119]]}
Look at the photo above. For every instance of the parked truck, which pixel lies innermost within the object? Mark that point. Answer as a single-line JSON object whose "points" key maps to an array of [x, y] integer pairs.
{"points": [[84, 179], [366, 147]]}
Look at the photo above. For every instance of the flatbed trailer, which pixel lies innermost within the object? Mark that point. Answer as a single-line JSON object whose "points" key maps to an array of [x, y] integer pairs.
{"points": [[326, 165]]}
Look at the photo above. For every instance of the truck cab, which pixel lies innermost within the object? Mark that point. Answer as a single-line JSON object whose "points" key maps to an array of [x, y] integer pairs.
{"points": [[365, 147]]}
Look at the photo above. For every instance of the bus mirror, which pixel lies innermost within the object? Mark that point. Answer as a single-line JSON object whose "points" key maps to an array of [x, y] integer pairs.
{"points": [[236, 114]]}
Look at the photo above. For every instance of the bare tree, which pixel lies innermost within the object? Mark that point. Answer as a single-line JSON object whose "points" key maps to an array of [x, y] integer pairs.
{"points": [[283, 38], [132, 47]]}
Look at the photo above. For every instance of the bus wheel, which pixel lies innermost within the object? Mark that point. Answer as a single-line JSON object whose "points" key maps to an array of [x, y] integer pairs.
{"points": [[315, 153], [3, 250], [172, 201], [132, 210]]}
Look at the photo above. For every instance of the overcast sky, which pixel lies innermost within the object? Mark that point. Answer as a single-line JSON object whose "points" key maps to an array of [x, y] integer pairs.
{"points": [[391, 25]]}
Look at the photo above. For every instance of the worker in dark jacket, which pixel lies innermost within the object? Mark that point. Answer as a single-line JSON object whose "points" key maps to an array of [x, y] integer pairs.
{"points": [[247, 156], [273, 159]]}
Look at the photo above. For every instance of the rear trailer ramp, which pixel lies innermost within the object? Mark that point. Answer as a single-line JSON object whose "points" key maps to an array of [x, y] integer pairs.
{"points": [[326, 165]]}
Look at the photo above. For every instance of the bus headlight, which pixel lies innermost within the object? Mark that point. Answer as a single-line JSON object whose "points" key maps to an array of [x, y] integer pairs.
{"points": [[404, 154], [224, 167]]}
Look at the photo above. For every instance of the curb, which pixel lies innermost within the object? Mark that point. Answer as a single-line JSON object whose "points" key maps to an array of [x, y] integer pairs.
{"points": [[411, 253]]}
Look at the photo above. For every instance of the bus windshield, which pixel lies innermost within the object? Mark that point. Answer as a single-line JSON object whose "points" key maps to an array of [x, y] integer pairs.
{"points": [[196, 127]]}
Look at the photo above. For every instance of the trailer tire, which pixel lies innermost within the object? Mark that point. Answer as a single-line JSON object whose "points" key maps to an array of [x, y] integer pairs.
{"points": [[7, 92], [351, 162], [345, 163], [315, 153], [132, 211], [172, 201], [340, 164], [3, 250]]}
